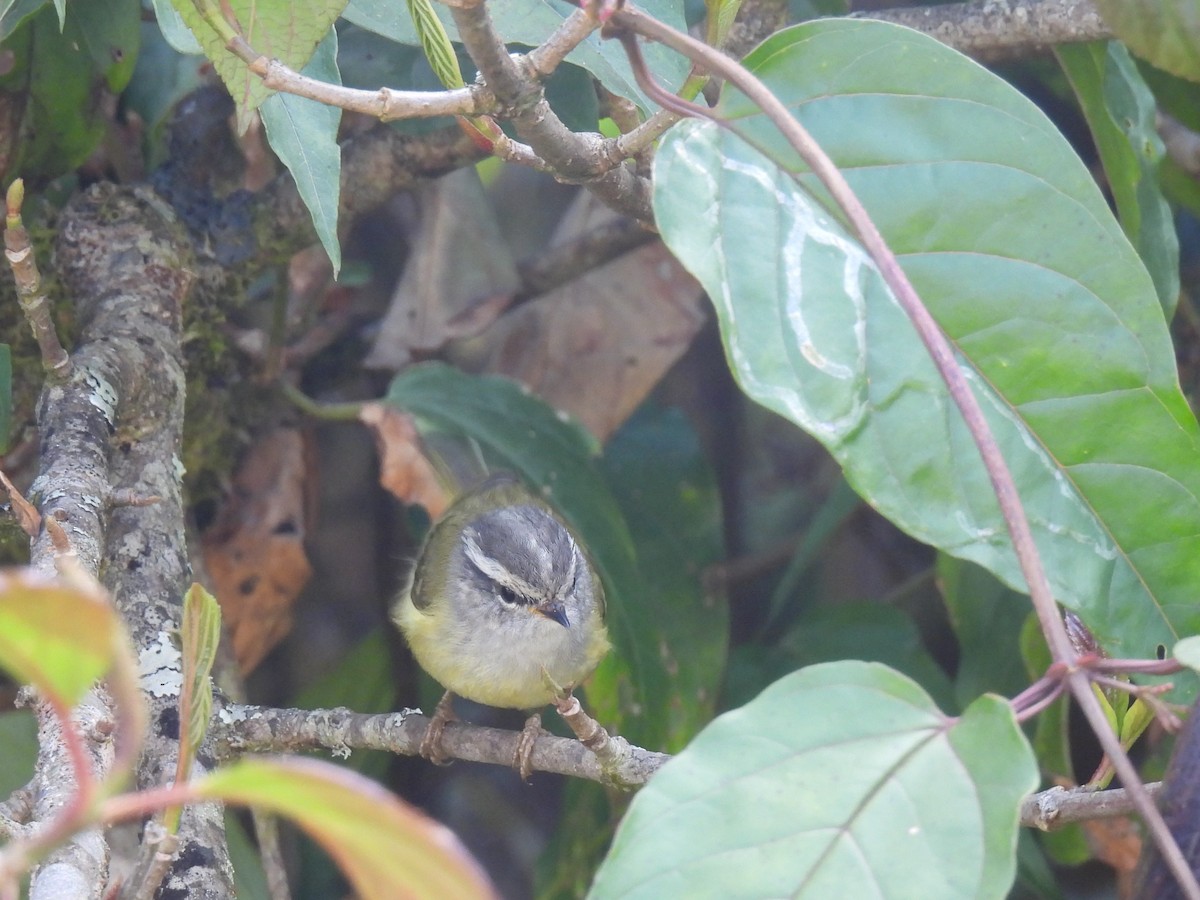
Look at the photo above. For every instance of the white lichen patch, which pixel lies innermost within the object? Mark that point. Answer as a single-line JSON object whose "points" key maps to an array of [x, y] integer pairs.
{"points": [[102, 396], [160, 667], [231, 714]]}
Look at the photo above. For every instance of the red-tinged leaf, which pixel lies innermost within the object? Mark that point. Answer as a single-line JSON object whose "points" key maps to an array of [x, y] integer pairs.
{"points": [[56, 637], [386, 848], [201, 635]]}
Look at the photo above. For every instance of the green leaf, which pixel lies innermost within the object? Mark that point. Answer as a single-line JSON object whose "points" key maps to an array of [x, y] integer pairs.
{"points": [[173, 29], [60, 639], [201, 632], [721, 14], [987, 618], [1187, 652], [384, 846], [14, 12], [1177, 97], [571, 93], [1134, 722], [287, 30], [1053, 317], [435, 42], [529, 22], [842, 780], [111, 33], [53, 80], [18, 737], [1166, 33], [5, 395], [578, 841], [555, 454], [668, 495], [303, 134], [870, 632], [1120, 111], [1036, 880], [250, 881], [840, 503]]}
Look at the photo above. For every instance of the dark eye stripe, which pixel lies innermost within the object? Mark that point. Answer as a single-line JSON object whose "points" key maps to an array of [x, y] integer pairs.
{"points": [[511, 597]]}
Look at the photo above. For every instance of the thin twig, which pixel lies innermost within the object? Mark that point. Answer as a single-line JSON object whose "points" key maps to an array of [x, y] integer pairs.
{"points": [[1139, 666], [643, 137], [34, 302], [1038, 695], [1059, 806], [385, 104], [543, 60]]}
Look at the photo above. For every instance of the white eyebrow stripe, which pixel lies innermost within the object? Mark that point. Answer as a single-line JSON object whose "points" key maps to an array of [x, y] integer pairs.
{"points": [[494, 570]]}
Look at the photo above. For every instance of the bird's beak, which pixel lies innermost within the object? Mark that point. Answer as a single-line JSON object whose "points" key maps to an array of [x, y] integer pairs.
{"points": [[554, 611]]}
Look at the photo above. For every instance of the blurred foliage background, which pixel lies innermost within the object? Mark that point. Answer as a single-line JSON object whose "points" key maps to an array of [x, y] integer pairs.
{"points": [[739, 551]]}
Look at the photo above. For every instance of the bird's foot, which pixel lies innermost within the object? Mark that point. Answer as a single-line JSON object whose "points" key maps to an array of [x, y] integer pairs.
{"points": [[523, 757], [431, 743]]}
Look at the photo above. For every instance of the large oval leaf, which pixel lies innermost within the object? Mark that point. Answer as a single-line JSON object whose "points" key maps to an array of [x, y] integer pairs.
{"points": [[790, 797], [1011, 245]]}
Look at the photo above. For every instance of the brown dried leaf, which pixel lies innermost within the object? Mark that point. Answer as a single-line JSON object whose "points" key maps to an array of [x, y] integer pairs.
{"points": [[255, 549], [403, 468], [28, 518], [1116, 842], [459, 277], [598, 345]]}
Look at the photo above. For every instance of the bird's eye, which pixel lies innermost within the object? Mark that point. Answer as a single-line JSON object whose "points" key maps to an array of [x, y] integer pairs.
{"points": [[508, 595]]}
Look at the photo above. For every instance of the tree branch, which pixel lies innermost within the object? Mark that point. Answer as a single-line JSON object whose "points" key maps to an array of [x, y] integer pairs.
{"points": [[995, 30], [240, 729], [588, 159], [1059, 806], [113, 429]]}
